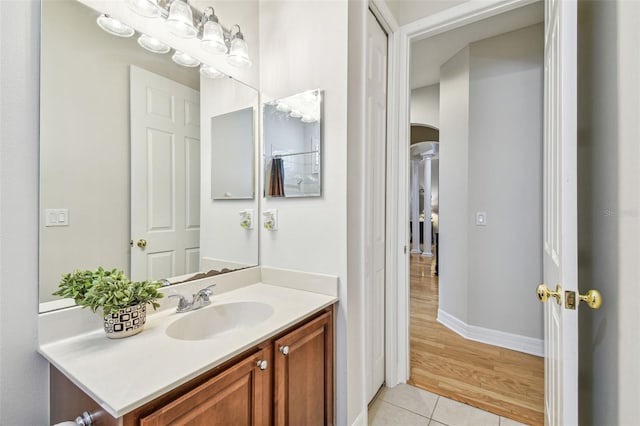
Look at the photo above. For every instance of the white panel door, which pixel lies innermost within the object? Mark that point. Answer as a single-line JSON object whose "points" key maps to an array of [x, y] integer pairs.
{"points": [[165, 177], [560, 211], [375, 188]]}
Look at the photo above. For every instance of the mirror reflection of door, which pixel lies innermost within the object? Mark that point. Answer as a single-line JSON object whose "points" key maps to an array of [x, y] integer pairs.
{"points": [[165, 177]]}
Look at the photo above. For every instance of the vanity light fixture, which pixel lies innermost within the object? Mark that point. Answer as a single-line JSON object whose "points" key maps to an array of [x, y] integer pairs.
{"points": [[179, 17], [153, 44], [185, 60], [238, 50], [114, 27], [210, 72], [212, 33], [180, 20], [146, 8]]}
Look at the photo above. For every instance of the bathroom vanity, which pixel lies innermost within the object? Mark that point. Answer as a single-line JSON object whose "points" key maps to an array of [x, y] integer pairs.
{"points": [[274, 367]]}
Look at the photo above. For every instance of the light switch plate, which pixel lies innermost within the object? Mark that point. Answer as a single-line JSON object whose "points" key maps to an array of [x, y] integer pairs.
{"points": [[56, 217], [481, 218]]}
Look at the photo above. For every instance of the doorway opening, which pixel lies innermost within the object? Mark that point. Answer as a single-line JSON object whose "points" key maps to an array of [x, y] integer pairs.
{"points": [[475, 335]]}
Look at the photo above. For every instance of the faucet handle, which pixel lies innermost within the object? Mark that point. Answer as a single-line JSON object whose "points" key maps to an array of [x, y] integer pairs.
{"points": [[206, 292], [183, 304]]}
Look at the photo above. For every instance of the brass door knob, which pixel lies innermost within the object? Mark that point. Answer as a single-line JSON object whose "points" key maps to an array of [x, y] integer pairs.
{"points": [[142, 243], [593, 299], [544, 293]]}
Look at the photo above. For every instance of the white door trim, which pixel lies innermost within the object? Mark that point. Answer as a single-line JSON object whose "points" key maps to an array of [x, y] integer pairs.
{"points": [[397, 282]]}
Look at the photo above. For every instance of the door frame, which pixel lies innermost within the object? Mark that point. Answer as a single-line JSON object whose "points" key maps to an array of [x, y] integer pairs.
{"points": [[398, 131]]}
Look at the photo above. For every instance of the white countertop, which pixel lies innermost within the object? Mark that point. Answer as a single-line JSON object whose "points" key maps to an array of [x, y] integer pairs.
{"points": [[123, 374]]}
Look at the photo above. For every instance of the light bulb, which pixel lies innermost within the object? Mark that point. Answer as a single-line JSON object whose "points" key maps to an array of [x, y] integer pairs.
{"points": [[185, 60], [114, 27], [153, 44]]}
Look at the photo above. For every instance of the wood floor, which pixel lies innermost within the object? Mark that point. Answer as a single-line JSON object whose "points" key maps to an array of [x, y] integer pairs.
{"points": [[504, 382]]}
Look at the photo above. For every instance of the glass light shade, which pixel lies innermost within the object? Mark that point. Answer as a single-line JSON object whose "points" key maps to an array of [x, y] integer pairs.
{"points": [[185, 60], [180, 20], [213, 38], [146, 8], [210, 72], [153, 44], [114, 27], [308, 119], [295, 114], [282, 107], [239, 53]]}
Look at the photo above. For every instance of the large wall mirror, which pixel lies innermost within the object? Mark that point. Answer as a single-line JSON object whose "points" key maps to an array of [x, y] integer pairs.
{"points": [[126, 158]]}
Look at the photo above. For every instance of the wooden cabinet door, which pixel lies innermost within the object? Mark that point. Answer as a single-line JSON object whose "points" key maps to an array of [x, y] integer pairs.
{"points": [[239, 396], [303, 375]]}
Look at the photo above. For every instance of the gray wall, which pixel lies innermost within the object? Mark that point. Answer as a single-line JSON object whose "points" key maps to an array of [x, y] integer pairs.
{"points": [[609, 210], [505, 181], [491, 161], [454, 182], [24, 378]]}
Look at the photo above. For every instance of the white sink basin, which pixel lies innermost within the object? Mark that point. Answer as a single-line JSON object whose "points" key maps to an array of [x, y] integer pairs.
{"points": [[213, 321]]}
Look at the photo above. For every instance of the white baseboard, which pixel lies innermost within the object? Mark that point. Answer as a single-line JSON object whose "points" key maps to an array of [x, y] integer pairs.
{"points": [[511, 341], [361, 420]]}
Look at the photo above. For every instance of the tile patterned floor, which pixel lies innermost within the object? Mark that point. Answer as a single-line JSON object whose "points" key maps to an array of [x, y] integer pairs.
{"points": [[406, 405]]}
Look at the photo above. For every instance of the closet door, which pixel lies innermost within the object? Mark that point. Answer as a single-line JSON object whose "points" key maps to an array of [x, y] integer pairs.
{"points": [[375, 202]]}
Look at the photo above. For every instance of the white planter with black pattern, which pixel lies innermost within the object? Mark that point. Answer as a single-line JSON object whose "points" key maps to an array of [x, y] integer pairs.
{"points": [[127, 322]]}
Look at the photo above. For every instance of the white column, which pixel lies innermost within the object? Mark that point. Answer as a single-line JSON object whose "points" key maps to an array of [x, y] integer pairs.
{"points": [[427, 205], [415, 207]]}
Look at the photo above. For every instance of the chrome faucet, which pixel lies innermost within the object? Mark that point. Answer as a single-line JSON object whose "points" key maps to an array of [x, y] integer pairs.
{"points": [[200, 299]]}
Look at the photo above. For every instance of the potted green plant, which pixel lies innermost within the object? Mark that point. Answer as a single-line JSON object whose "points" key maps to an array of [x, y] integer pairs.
{"points": [[123, 302]]}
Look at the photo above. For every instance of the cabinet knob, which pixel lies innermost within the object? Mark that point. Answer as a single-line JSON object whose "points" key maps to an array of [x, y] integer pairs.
{"points": [[284, 350], [262, 364]]}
